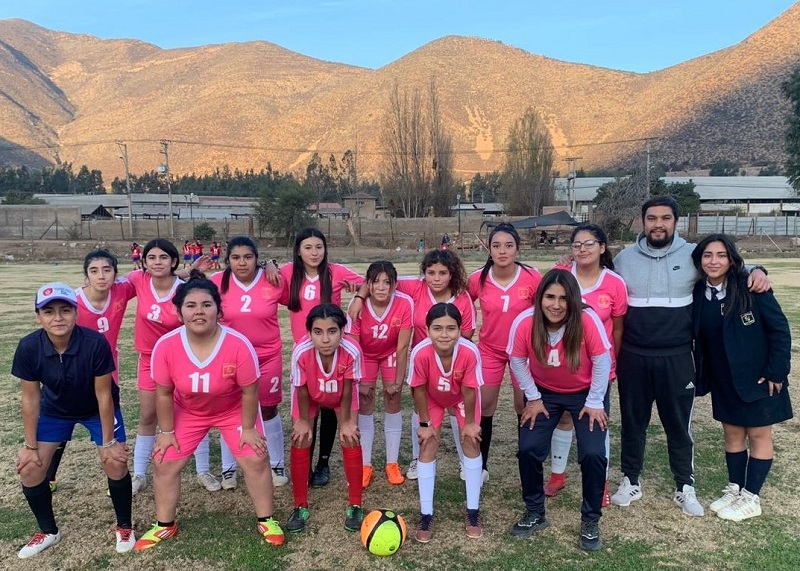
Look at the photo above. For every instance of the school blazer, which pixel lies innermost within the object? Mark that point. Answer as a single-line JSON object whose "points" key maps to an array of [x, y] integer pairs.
{"points": [[758, 344]]}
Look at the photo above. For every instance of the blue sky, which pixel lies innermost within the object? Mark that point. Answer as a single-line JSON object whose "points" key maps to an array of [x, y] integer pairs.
{"points": [[630, 35]]}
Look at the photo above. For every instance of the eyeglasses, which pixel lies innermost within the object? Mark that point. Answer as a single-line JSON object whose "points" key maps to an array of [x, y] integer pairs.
{"points": [[585, 244]]}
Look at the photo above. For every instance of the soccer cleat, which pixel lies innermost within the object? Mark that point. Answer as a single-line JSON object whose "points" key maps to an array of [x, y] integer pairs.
{"points": [[687, 499], [474, 524], [606, 499], [321, 477], [411, 473], [208, 480], [747, 505], [126, 540], [484, 476], [229, 481], [461, 473], [38, 543], [555, 484], [367, 472], [393, 474], [529, 524], [271, 531], [138, 483], [156, 535], [279, 477], [626, 493], [590, 535], [424, 532], [729, 495], [53, 486], [297, 519], [353, 518]]}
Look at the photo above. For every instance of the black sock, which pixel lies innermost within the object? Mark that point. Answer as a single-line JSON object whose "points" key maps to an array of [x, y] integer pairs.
{"points": [[166, 524], [486, 439], [55, 462], [634, 480], [264, 519], [40, 499], [122, 497], [757, 470], [313, 440], [327, 435], [737, 467]]}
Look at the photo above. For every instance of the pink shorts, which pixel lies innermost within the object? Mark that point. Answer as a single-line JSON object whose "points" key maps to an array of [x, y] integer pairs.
{"points": [[493, 367], [191, 428], [386, 366], [436, 411], [144, 379], [270, 385], [313, 407]]}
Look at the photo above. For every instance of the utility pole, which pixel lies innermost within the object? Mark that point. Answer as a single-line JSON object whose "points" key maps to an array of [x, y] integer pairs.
{"points": [[123, 147], [165, 152], [458, 204], [647, 192], [571, 176]]}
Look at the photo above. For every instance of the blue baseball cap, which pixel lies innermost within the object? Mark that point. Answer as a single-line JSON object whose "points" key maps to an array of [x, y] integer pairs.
{"points": [[55, 291]]}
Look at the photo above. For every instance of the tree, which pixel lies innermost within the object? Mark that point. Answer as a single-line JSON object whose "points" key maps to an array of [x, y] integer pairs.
{"points": [[485, 187], [527, 177], [204, 231], [285, 212], [618, 203], [21, 197], [791, 89], [683, 193], [724, 167]]}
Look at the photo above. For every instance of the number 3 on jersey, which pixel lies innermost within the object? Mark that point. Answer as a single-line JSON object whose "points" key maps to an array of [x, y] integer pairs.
{"points": [[155, 313]]}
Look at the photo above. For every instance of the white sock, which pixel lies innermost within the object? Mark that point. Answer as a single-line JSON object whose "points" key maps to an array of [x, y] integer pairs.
{"points": [[559, 450], [366, 426], [414, 435], [142, 452], [273, 430], [228, 460], [426, 483], [473, 470], [457, 437], [202, 456], [393, 430]]}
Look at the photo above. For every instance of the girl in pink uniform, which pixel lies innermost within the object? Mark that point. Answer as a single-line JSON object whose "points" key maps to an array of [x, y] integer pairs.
{"points": [[504, 288], [605, 292], [446, 375], [325, 368], [206, 376], [310, 280], [155, 316], [250, 306], [383, 331]]}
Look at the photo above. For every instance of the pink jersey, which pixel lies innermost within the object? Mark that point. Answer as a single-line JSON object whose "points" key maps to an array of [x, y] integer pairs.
{"points": [[377, 336], [211, 387], [444, 387], [311, 293], [325, 387], [253, 311], [155, 315], [554, 374], [500, 305], [424, 300]]}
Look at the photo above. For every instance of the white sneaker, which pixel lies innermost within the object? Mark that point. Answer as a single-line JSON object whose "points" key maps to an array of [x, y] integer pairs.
{"points": [[279, 477], [138, 483], [209, 481], [747, 505], [125, 539], [411, 473], [687, 499], [461, 473], [229, 480], [626, 493], [484, 476], [38, 543], [729, 495]]}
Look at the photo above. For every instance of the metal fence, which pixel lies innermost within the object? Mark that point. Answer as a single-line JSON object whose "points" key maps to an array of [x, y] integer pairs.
{"points": [[740, 226]]}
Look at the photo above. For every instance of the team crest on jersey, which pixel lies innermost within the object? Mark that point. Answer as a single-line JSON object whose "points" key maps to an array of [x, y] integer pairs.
{"points": [[748, 318], [228, 370], [458, 375], [119, 306], [524, 293], [604, 301], [342, 368], [396, 322], [266, 293]]}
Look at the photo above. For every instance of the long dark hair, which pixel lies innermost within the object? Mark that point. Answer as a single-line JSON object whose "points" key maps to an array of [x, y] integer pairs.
{"points": [[197, 280], [100, 254], [235, 242], [458, 275], [299, 270], [573, 332], [375, 269], [441, 310], [164, 245], [324, 311], [606, 260], [510, 230], [734, 290]]}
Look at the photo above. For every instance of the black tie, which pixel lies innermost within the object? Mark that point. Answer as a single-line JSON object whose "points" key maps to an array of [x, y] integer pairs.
{"points": [[714, 292]]}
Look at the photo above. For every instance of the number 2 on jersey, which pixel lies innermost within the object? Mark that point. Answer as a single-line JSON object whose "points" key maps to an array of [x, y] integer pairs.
{"points": [[246, 301]]}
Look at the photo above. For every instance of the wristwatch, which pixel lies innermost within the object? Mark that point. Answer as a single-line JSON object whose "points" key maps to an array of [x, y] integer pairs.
{"points": [[425, 423]]}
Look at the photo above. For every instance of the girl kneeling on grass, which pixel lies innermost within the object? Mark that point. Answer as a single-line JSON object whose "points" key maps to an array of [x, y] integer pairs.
{"points": [[206, 376], [446, 375], [324, 369]]}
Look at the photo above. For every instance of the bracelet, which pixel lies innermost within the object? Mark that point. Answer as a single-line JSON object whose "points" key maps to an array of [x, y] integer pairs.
{"points": [[109, 444], [166, 431], [29, 447], [361, 297]]}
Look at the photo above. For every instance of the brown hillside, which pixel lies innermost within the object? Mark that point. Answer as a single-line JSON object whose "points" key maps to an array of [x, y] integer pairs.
{"points": [[68, 97]]}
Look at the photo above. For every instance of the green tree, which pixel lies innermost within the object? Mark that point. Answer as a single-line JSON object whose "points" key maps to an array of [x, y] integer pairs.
{"points": [[285, 212], [528, 174], [204, 231], [21, 197], [791, 89], [724, 167], [683, 193], [486, 187], [618, 203]]}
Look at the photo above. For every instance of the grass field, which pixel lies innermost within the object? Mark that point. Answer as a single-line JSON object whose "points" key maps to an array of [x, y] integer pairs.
{"points": [[217, 529]]}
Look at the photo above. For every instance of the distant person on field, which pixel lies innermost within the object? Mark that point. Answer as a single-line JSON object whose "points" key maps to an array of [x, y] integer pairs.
{"points": [[187, 254], [136, 256], [215, 250], [65, 373], [445, 241]]}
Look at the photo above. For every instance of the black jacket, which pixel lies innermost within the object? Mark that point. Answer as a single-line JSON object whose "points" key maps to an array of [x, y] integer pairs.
{"points": [[758, 344]]}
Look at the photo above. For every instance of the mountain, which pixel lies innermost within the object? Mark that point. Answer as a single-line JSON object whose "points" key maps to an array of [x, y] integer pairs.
{"points": [[68, 97]]}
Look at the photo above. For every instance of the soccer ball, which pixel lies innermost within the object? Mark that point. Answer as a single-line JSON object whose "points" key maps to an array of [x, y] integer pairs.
{"points": [[383, 532]]}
